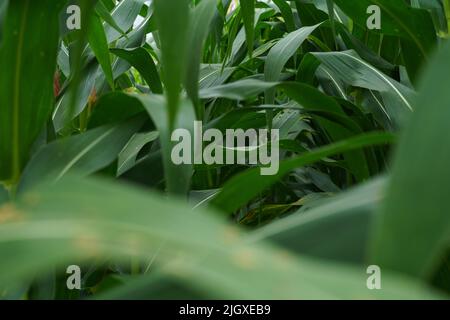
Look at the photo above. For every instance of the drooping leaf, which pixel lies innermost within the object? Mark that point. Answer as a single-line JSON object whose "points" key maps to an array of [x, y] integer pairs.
{"points": [[143, 62], [85, 153], [104, 13], [212, 75], [67, 107], [128, 156], [399, 19], [124, 14], [245, 186], [280, 54], [350, 68]]}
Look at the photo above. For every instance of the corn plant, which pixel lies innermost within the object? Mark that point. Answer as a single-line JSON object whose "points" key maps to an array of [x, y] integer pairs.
{"points": [[91, 92]]}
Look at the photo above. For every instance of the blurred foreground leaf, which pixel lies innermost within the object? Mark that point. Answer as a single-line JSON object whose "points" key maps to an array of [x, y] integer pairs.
{"points": [[82, 219], [413, 232]]}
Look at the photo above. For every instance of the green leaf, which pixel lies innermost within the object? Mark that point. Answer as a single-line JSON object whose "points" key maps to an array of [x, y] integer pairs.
{"points": [[85, 153], [311, 14], [114, 107], [336, 228], [212, 75], [140, 59], [237, 90], [99, 44], [3, 7], [350, 68], [66, 109], [280, 54], [333, 120], [173, 24], [412, 234], [77, 219], [124, 14], [158, 66], [242, 188], [248, 15], [178, 177], [398, 19], [26, 79], [322, 107], [128, 156], [138, 34], [104, 13], [199, 29], [287, 14], [331, 16]]}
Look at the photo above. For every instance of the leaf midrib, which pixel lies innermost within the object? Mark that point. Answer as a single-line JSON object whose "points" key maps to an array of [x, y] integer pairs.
{"points": [[16, 96], [281, 51], [83, 153], [383, 77]]}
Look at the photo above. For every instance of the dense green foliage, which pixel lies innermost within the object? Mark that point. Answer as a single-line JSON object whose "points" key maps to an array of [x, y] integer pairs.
{"points": [[86, 118]]}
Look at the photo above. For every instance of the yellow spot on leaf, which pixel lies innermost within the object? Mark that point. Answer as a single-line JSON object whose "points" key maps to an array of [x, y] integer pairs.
{"points": [[88, 244], [230, 236], [9, 213], [244, 259]]}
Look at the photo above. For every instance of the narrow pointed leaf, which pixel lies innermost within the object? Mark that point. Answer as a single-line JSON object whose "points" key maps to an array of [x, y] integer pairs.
{"points": [[173, 24], [280, 54], [248, 15], [98, 43], [199, 28]]}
